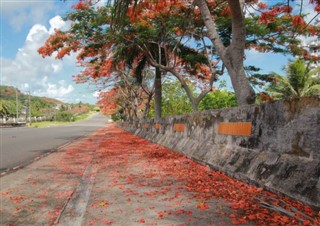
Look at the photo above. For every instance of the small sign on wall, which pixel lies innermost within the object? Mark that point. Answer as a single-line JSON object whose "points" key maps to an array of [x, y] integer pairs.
{"points": [[157, 126], [179, 127], [235, 128]]}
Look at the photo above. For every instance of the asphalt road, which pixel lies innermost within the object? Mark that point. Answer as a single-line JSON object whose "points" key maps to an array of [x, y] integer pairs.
{"points": [[20, 145]]}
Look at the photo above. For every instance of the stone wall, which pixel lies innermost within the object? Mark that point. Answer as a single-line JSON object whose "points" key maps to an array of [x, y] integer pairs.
{"points": [[11, 120], [274, 145]]}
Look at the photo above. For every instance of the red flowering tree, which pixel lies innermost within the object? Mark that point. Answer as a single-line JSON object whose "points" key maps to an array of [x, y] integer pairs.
{"points": [[250, 24], [152, 40], [158, 33], [101, 66]]}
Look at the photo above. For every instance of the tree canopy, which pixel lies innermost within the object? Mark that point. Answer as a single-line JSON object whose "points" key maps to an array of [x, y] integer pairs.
{"points": [[119, 43]]}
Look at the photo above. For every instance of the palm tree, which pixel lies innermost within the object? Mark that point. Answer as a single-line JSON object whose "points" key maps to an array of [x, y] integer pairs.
{"points": [[4, 108], [298, 82]]}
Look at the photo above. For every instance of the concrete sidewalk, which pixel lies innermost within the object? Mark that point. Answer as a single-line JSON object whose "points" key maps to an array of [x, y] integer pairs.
{"points": [[115, 178]]}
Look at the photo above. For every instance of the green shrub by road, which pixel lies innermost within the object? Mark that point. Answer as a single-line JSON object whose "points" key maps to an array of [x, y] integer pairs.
{"points": [[61, 123]]}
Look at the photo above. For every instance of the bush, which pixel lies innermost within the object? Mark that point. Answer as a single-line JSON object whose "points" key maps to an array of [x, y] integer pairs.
{"points": [[115, 116], [218, 99], [64, 116]]}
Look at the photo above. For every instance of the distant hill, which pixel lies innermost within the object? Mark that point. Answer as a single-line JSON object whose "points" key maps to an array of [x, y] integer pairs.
{"points": [[51, 100], [39, 106], [9, 93]]}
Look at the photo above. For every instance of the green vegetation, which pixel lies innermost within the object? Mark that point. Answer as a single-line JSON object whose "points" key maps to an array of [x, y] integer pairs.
{"points": [[7, 108], [176, 102], [48, 124], [40, 106], [52, 109], [77, 118], [298, 82], [218, 99], [84, 116]]}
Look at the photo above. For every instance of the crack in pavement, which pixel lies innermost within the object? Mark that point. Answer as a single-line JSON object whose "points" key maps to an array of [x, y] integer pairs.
{"points": [[76, 206]]}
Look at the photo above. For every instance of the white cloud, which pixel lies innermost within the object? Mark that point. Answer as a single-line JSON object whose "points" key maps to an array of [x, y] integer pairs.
{"points": [[43, 76], [58, 91], [56, 67], [57, 23], [33, 35], [96, 94]]}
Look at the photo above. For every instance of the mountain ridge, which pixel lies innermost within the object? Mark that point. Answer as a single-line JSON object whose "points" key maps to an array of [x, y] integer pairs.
{"points": [[9, 93]]}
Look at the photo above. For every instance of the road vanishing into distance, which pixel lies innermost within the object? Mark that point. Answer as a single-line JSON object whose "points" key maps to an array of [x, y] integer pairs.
{"points": [[20, 145]]}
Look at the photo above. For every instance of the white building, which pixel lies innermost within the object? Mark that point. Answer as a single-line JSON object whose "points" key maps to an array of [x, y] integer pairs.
{"points": [[314, 49]]}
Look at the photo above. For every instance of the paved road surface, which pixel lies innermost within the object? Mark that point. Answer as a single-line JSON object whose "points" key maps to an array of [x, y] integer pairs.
{"points": [[20, 145]]}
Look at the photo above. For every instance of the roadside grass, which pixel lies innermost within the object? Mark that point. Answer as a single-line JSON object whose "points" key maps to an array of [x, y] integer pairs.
{"points": [[59, 123], [48, 124], [85, 116]]}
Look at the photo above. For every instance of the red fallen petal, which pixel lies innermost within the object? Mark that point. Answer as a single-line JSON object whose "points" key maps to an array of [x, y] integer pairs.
{"points": [[251, 217], [141, 221], [160, 214], [203, 206], [306, 222]]}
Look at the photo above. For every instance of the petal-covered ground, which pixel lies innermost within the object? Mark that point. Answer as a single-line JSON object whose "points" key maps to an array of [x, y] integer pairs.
{"points": [[116, 178]]}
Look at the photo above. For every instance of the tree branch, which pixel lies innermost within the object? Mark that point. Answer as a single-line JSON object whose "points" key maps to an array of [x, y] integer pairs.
{"points": [[211, 26], [238, 26]]}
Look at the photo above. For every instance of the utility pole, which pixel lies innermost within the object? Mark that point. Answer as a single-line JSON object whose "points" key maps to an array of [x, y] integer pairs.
{"points": [[17, 111], [29, 107]]}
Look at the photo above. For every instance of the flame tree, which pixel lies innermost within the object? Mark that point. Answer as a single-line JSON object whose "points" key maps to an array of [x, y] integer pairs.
{"points": [[137, 35], [154, 40], [246, 24]]}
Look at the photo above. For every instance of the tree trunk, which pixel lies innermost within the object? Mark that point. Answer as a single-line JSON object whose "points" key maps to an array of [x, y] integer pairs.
{"points": [[194, 100], [243, 90], [147, 107], [135, 108], [157, 93], [232, 56], [194, 106]]}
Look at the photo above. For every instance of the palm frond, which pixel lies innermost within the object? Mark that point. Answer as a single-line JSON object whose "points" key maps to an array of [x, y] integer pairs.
{"points": [[298, 82], [312, 90]]}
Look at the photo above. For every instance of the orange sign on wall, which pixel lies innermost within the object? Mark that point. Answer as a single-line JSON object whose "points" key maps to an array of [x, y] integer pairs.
{"points": [[235, 128], [157, 126], [179, 127]]}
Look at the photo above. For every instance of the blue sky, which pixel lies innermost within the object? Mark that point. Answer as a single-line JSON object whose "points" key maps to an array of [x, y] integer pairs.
{"points": [[26, 24]]}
